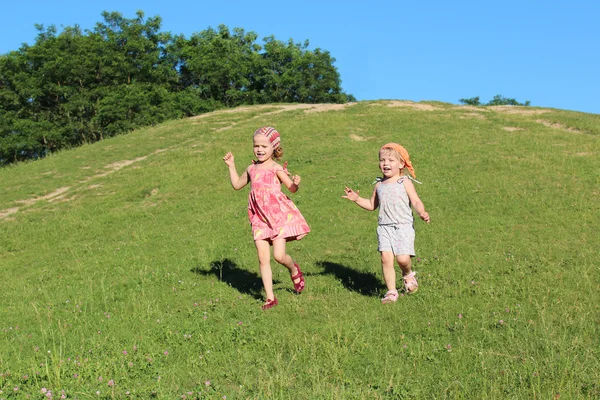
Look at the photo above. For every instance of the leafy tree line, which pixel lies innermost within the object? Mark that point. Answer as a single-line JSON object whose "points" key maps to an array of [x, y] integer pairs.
{"points": [[77, 87], [498, 100]]}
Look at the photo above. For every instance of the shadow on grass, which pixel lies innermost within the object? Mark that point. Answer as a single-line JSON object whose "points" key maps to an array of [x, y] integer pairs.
{"points": [[364, 283], [227, 271]]}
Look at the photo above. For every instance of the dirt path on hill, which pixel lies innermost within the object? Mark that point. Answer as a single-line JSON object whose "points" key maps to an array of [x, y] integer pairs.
{"points": [[308, 108], [61, 193]]}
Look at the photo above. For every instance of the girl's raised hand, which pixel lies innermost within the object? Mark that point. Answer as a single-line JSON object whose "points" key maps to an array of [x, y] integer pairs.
{"points": [[296, 180], [350, 194], [228, 158]]}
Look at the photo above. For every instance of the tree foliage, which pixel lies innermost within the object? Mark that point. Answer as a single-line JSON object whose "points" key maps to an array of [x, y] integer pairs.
{"points": [[498, 100], [77, 86]]}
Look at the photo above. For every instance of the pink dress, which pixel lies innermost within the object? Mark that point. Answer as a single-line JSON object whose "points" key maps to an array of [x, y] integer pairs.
{"points": [[272, 214]]}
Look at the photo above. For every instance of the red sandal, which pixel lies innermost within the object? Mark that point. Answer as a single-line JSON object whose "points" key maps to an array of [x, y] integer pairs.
{"points": [[299, 286], [270, 303]]}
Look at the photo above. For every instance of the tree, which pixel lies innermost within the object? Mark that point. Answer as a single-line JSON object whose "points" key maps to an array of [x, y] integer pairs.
{"points": [[77, 86], [498, 100]]}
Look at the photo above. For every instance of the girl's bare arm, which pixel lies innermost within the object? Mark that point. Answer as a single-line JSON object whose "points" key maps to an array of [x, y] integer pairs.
{"points": [[368, 204], [237, 181], [292, 183], [415, 201]]}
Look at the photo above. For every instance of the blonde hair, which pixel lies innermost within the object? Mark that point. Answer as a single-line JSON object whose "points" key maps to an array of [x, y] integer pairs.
{"points": [[278, 153], [389, 150]]}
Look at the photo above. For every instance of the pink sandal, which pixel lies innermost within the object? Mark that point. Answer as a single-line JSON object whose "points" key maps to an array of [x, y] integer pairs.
{"points": [[410, 283], [390, 297], [298, 287], [270, 303]]}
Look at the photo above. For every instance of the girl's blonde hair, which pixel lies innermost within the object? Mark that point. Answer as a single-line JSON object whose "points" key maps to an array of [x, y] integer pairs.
{"points": [[278, 153], [388, 150]]}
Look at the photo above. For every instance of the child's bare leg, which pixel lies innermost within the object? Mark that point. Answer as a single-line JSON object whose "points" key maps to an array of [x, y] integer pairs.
{"points": [[410, 282], [387, 267], [283, 258], [405, 263], [263, 249]]}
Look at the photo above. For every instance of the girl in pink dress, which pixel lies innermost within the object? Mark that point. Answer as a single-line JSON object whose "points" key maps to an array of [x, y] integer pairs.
{"points": [[274, 218]]}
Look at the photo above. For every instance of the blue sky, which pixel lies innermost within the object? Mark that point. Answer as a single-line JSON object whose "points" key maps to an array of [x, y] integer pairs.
{"points": [[547, 52]]}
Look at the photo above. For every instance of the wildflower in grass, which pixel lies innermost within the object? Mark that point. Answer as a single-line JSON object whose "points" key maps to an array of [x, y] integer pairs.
{"points": [[501, 322], [405, 346], [97, 393], [205, 317], [472, 282], [240, 323], [44, 390], [158, 379], [207, 383], [75, 376], [130, 364], [449, 347], [134, 347], [111, 383], [100, 378], [166, 353], [459, 316], [16, 389], [127, 393], [124, 352]]}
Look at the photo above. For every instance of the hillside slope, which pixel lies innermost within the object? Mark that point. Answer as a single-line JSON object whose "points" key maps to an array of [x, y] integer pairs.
{"points": [[131, 260]]}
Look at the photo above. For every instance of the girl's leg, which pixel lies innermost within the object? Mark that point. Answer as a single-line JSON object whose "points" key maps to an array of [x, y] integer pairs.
{"points": [[387, 266], [410, 282], [263, 249], [283, 258], [405, 263]]}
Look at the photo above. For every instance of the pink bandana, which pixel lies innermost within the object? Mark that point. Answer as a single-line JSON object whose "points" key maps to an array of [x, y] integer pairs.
{"points": [[271, 134]]}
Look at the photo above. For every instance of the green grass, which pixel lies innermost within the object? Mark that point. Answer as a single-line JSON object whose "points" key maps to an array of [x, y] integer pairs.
{"points": [[143, 281]]}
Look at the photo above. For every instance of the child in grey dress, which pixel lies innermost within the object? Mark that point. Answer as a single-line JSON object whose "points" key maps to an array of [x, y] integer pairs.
{"points": [[394, 195]]}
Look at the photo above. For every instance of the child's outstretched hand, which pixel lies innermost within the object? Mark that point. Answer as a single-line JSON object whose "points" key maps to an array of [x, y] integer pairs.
{"points": [[228, 158], [351, 194], [424, 216], [296, 180]]}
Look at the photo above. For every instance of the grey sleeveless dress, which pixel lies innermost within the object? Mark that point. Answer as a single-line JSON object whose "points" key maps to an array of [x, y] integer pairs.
{"points": [[395, 231]]}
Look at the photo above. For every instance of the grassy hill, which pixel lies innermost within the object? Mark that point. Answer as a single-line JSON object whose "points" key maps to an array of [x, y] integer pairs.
{"points": [[128, 269]]}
